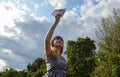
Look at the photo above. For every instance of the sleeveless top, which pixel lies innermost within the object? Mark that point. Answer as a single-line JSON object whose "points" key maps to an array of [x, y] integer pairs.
{"points": [[56, 67]]}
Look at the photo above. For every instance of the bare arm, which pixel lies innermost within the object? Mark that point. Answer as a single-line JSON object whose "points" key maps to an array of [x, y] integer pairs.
{"points": [[47, 48]]}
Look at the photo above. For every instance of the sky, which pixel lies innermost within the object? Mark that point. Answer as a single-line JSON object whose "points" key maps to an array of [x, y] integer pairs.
{"points": [[24, 23]]}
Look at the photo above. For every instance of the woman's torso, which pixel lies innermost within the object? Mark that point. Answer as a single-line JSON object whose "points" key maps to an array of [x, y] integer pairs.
{"points": [[56, 64]]}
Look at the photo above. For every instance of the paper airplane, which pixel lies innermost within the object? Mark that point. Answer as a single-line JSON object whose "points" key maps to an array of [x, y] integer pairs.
{"points": [[58, 11]]}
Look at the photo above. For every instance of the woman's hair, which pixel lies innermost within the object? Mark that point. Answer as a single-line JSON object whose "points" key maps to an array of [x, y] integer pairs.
{"points": [[52, 40]]}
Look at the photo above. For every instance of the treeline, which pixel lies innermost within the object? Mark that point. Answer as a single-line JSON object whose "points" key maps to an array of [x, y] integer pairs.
{"points": [[35, 69], [81, 54]]}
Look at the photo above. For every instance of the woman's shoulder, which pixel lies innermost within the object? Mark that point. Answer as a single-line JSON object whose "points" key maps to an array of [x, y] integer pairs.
{"points": [[50, 59], [63, 58]]}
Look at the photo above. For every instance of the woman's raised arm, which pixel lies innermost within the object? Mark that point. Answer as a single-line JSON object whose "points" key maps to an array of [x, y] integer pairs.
{"points": [[47, 47]]}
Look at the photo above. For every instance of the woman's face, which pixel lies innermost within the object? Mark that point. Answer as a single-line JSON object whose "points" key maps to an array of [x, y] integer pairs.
{"points": [[58, 43]]}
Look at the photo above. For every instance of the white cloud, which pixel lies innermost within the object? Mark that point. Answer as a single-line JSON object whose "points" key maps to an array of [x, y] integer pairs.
{"points": [[102, 9], [72, 13], [91, 13], [9, 13], [41, 19], [3, 64], [58, 4], [11, 59], [70, 25], [36, 6], [21, 36], [25, 8]]}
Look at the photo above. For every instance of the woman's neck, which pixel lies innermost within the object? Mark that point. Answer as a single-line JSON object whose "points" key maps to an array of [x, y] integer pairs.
{"points": [[57, 50]]}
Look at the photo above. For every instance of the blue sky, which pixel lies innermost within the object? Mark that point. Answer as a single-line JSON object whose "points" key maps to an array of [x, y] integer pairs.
{"points": [[24, 23]]}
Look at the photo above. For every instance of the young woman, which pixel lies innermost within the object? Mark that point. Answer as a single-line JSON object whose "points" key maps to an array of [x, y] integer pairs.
{"points": [[55, 63]]}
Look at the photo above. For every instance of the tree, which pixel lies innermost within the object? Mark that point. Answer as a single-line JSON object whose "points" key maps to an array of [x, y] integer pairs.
{"points": [[11, 73], [37, 68], [80, 57], [108, 56], [1, 74], [23, 73]]}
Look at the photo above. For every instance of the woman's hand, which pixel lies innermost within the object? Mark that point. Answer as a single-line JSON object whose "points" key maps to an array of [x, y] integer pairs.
{"points": [[57, 18]]}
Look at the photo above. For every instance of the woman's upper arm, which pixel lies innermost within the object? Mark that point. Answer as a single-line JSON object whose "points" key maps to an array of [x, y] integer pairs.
{"points": [[47, 48]]}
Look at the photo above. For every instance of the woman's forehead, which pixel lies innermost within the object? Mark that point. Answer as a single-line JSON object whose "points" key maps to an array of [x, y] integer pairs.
{"points": [[58, 39]]}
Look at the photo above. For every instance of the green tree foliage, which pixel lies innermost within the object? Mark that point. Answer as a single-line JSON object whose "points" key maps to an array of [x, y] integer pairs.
{"points": [[11, 73], [1, 74], [37, 68], [23, 73], [80, 57], [108, 56]]}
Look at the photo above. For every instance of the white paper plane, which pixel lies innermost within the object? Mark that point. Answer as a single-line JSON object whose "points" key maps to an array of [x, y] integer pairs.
{"points": [[58, 11]]}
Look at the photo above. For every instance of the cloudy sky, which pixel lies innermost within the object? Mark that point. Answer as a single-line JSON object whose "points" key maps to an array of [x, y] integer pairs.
{"points": [[24, 23]]}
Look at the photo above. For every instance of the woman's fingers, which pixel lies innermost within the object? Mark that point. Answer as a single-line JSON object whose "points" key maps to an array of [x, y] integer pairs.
{"points": [[57, 17]]}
